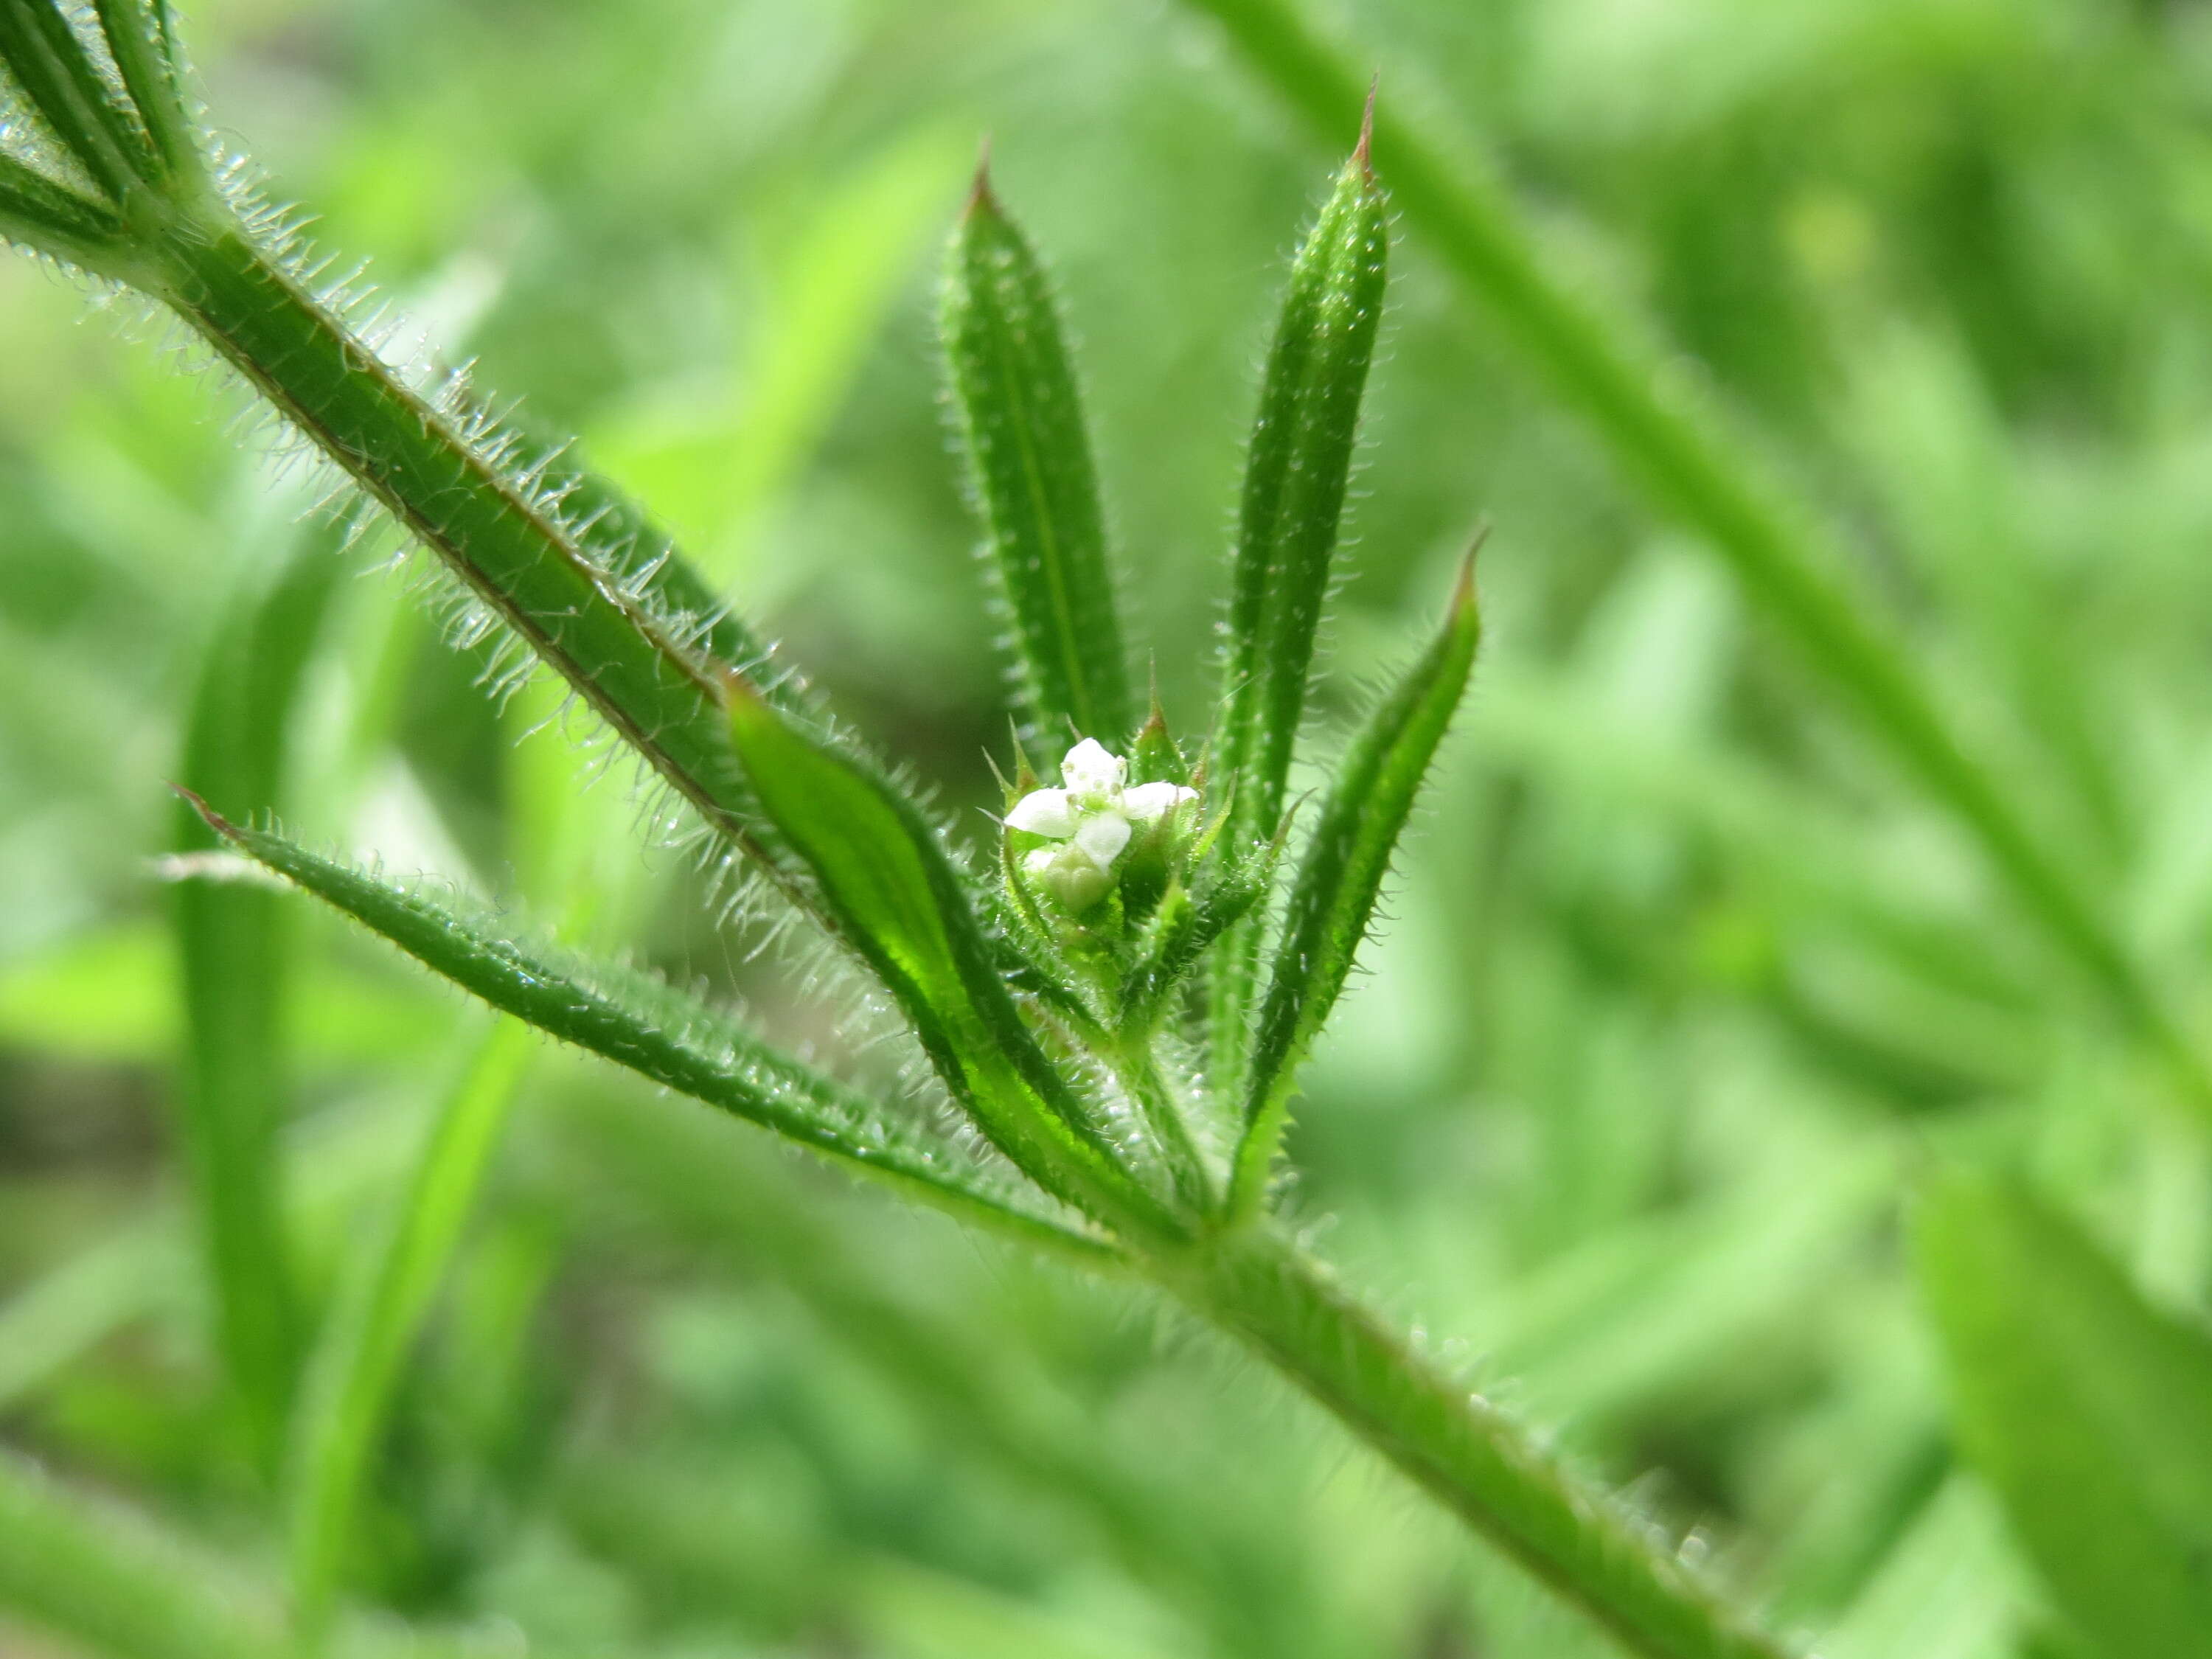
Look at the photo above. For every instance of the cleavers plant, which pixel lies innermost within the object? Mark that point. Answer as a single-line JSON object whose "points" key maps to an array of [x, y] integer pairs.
{"points": [[1114, 997]]}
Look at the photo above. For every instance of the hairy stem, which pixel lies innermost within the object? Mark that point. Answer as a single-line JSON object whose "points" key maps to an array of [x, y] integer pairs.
{"points": [[491, 522], [1461, 1450]]}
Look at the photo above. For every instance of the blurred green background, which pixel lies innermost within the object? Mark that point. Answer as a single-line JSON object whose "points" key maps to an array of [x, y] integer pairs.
{"points": [[1683, 985]]}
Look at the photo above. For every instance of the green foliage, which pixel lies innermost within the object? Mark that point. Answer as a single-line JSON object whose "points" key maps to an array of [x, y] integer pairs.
{"points": [[651, 1030], [1296, 472], [1332, 903], [1028, 458], [1841, 724], [2089, 1412], [354, 1372], [1698, 472], [233, 958], [892, 892]]}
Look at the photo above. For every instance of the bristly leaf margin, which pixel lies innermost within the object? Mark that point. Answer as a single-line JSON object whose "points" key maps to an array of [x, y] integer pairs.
{"points": [[1332, 901], [1297, 470], [886, 883], [700, 1053]]}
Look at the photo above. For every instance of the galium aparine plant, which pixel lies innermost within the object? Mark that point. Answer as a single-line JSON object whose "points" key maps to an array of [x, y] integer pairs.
{"points": [[1117, 995]]}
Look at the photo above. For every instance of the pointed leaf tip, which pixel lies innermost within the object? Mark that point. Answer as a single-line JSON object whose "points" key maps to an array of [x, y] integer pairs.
{"points": [[1021, 424], [1463, 598], [1363, 153], [215, 821], [979, 198]]}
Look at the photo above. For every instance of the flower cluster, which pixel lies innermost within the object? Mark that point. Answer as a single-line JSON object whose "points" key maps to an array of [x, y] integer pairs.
{"points": [[1092, 817]]}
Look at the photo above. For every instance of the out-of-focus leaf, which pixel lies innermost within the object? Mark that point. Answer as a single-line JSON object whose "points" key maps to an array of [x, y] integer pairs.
{"points": [[114, 1583], [112, 997], [1948, 1590], [55, 1319], [834, 268], [2087, 1410], [1662, 429], [103, 1577], [357, 1363], [1029, 465], [236, 969]]}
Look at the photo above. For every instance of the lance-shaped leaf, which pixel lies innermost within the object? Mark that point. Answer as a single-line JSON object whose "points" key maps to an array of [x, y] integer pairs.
{"points": [[1029, 465], [41, 214], [1333, 902], [50, 61], [1295, 479], [235, 968], [887, 884], [140, 39], [675, 1040], [2089, 1411]]}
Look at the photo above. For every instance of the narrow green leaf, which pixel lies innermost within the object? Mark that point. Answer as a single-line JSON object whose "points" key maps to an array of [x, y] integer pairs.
{"points": [[48, 1324], [49, 62], [1333, 902], [661, 1034], [1029, 457], [891, 891], [358, 1365], [138, 38], [235, 969], [1295, 478], [41, 214], [2087, 1410]]}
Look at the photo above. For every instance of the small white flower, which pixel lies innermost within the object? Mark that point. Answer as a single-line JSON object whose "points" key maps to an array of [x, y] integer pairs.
{"points": [[1094, 815]]}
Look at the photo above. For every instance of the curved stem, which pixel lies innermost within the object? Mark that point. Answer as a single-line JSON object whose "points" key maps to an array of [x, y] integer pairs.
{"points": [[1462, 1450]]}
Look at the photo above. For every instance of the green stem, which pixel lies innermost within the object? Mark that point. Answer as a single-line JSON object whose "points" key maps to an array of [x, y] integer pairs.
{"points": [[487, 519], [1698, 472], [1461, 1450]]}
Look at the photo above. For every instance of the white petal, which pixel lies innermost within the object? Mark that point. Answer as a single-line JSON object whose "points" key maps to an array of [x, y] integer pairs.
{"points": [[1090, 768], [1148, 801], [1102, 835], [1040, 862], [1043, 813]]}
